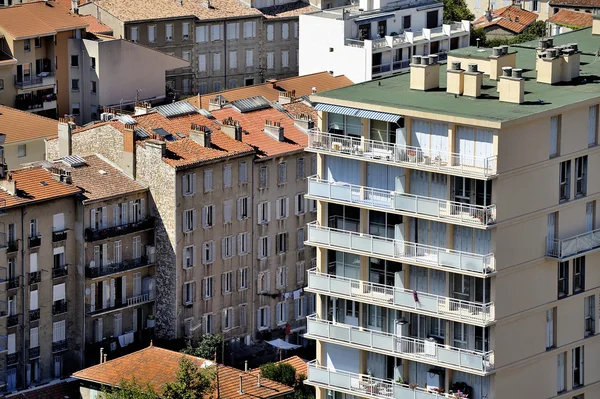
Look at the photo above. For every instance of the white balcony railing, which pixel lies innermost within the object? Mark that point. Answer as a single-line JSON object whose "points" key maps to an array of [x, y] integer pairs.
{"points": [[448, 211], [135, 300], [480, 314], [427, 351], [397, 250], [410, 157], [573, 246], [366, 386]]}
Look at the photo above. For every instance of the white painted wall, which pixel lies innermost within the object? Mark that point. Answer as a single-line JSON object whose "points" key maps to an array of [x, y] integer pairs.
{"points": [[342, 358]]}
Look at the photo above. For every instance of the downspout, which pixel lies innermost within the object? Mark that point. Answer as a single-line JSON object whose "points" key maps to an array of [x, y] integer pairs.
{"points": [[22, 286], [82, 277], [225, 55], [253, 315]]}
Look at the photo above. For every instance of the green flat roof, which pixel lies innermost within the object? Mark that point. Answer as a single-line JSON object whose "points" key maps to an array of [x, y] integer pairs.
{"points": [[394, 91]]}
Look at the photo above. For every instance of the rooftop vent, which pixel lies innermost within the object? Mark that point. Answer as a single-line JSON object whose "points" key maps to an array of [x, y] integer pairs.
{"points": [[558, 64], [512, 86], [424, 73], [497, 51], [232, 128], [473, 80], [201, 135], [455, 79]]}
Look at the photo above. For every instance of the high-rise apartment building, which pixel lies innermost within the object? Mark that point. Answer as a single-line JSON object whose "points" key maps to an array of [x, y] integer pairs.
{"points": [[456, 227]]}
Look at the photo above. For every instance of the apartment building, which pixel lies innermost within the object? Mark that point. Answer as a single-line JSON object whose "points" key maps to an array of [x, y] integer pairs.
{"points": [[228, 44], [375, 39], [455, 218]]}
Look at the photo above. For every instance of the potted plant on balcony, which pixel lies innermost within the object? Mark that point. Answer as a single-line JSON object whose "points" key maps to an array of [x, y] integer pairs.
{"points": [[150, 321], [412, 155], [413, 385]]}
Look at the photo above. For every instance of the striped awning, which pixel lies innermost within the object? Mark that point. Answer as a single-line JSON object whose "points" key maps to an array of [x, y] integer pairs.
{"points": [[378, 116], [336, 109]]}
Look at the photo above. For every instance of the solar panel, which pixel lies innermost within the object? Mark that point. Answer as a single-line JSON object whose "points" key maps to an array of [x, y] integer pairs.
{"points": [[251, 104], [141, 133], [180, 135], [126, 119], [177, 109], [73, 160]]}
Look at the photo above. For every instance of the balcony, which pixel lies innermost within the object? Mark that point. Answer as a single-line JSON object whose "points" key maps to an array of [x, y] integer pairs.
{"points": [[34, 353], [480, 314], [422, 350], [398, 66], [60, 271], [13, 283], [362, 385], [404, 204], [12, 320], [402, 155], [12, 358], [35, 277], [59, 236], [101, 234], [59, 307], [574, 246], [134, 300], [59, 346], [30, 82], [100, 271], [34, 315], [401, 251], [12, 246], [35, 241]]}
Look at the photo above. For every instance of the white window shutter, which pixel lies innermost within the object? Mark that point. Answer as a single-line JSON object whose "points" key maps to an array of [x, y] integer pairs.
{"points": [[285, 272], [194, 255], [93, 218], [287, 206], [258, 318], [268, 281], [239, 208], [116, 211], [260, 247], [223, 278], [112, 292], [193, 219], [33, 300], [278, 208], [104, 217], [268, 211]]}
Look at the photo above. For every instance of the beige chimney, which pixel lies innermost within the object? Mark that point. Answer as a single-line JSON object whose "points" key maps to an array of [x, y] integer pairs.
{"points": [[65, 136], [216, 103], [287, 97], [142, 108], [512, 86], [473, 81], [455, 79], [232, 128], [9, 185], [548, 67], [596, 25], [304, 122], [571, 62], [200, 134], [499, 59], [424, 73], [275, 130]]}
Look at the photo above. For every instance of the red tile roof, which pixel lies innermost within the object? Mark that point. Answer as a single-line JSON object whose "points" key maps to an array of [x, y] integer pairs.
{"points": [[298, 363], [158, 366], [96, 26], [299, 108], [576, 3], [24, 126], [63, 389], [288, 10], [572, 19], [511, 18]]}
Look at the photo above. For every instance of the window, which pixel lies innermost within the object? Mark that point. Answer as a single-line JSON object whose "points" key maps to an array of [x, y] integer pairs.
{"points": [[550, 328], [169, 32], [185, 30], [300, 169], [189, 256], [33, 228], [283, 207], [270, 33], [243, 243], [118, 324], [248, 81], [282, 176], [27, 45], [188, 184], [563, 279], [285, 31], [589, 314], [554, 136], [202, 63], [37, 42], [208, 286], [134, 34], [263, 247], [217, 86], [137, 247], [314, 164], [93, 87], [208, 216], [201, 34], [189, 220], [312, 205], [262, 177], [281, 278], [208, 323], [580, 176], [227, 176], [249, 29], [565, 180], [264, 212], [282, 243], [561, 372], [93, 62], [227, 247], [296, 26], [233, 31], [300, 307], [215, 32], [202, 88], [243, 173], [578, 274], [285, 59], [243, 279], [270, 60], [22, 150], [249, 58], [263, 318], [152, 34], [535, 6], [593, 125], [75, 61], [186, 55], [75, 109], [75, 84], [281, 311], [300, 273], [227, 320], [300, 239], [232, 59], [59, 331], [577, 367], [243, 204], [300, 204], [243, 317], [216, 61], [208, 252], [406, 22], [208, 184], [227, 283]]}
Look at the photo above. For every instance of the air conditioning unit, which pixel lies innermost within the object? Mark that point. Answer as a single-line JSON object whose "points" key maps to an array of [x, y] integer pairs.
{"points": [[106, 116]]}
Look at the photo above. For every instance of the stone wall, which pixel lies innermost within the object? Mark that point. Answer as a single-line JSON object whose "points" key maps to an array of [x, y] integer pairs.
{"points": [[105, 140]]}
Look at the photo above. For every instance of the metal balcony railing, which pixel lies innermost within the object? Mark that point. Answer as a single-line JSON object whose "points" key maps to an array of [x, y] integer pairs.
{"points": [[12, 358], [59, 346], [59, 235], [60, 271], [408, 204], [12, 246], [34, 315], [99, 271], [12, 320], [423, 350], [115, 231], [22, 82], [402, 251], [13, 282], [34, 353], [400, 298], [573, 246], [130, 301], [402, 155], [35, 277], [59, 307], [35, 241]]}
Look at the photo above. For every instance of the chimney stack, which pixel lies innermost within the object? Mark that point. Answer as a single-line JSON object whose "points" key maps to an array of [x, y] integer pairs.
{"points": [[241, 391], [246, 366], [273, 83], [304, 122], [258, 380], [216, 103], [159, 147], [128, 160], [287, 97], [200, 134], [424, 73], [232, 128], [512, 85], [65, 136], [455, 79], [596, 25], [473, 81], [557, 65], [275, 130], [142, 108], [101, 354]]}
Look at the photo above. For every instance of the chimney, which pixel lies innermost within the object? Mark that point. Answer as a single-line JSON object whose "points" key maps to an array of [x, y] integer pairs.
{"points": [[572, 63], [142, 108], [101, 354], [557, 65], [246, 366], [241, 391], [272, 82], [9, 185], [275, 130], [158, 148], [216, 103], [304, 122], [424, 73], [512, 85], [65, 136], [232, 128], [105, 356], [499, 59], [455, 79], [287, 97], [258, 380], [200, 134], [596, 25], [473, 81], [128, 157], [314, 89]]}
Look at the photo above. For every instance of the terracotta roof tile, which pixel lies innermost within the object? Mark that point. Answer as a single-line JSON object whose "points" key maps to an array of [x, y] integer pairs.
{"points": [[288, 10], [298, 363], [576, 3], [573, 19], [22, 126], [300, 107], [303, 85], [512, 18], [158, 366], [95, 26], [55, 390]]}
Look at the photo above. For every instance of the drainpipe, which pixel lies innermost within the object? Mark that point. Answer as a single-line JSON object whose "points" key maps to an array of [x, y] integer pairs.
{"points": [[253, 315], [225, 54], [82, 279], [24, 374]]}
